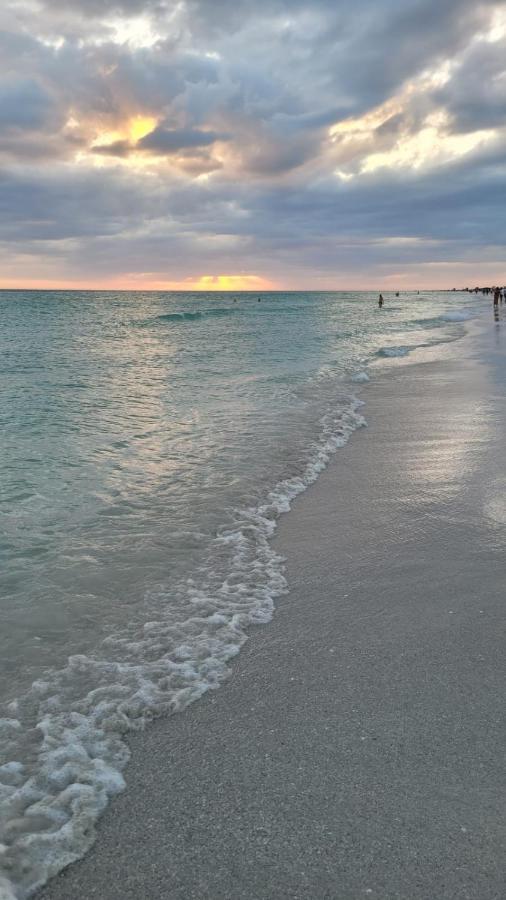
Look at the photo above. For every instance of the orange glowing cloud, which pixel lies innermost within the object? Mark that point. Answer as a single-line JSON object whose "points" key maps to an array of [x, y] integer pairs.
{"points": [[129, 133], [140, 126]]}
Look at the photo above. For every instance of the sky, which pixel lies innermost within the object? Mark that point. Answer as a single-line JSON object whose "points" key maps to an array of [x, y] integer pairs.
{"points": [[252, 144]]}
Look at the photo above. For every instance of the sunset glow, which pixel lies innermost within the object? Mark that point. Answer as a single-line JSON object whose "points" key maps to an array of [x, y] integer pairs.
{"points": [[140, 126], [149, 281], [230, 283], [146, 147]]}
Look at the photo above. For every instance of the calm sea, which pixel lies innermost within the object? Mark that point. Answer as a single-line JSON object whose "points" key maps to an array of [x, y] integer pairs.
{"points": [[149, 442]]}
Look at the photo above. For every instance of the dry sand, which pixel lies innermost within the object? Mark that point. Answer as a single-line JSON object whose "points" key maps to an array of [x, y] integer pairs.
{"points": [[358, 749]]}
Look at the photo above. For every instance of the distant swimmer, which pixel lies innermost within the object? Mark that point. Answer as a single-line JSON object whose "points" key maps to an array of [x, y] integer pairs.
{"points": [[259, 299], [380, 301], [497, 294], [397, 293]]}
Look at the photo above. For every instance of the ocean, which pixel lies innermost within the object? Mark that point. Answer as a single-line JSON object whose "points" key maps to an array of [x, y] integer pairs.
{"points": [[150, 442]]}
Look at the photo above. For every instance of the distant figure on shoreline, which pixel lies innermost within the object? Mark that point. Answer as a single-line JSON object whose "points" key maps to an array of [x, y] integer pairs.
{"points": [[497, 294], [380, 301]]}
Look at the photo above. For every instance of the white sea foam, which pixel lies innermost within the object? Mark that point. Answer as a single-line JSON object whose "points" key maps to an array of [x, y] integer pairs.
{"points": [[457, 316], [360, 377], [6, 892], [64, 740]]}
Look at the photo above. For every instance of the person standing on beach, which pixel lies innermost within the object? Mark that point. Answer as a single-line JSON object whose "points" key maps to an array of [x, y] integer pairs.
{"points": [[380, 301], [497, 294]]}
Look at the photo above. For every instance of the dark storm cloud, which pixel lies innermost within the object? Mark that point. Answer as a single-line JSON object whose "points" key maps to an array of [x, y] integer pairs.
{"points": [[162, 141], [23, 104], [170, 140], [116, 148], [30, 120], [475, 96], [67, 205], [360, 52], [101, 8]]}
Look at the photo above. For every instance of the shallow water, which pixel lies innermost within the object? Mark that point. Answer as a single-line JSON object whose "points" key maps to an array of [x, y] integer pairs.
{"points": [[149, 443]]}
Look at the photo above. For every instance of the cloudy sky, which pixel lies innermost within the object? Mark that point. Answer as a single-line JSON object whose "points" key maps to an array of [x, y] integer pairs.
{"points": [[252, 143]]}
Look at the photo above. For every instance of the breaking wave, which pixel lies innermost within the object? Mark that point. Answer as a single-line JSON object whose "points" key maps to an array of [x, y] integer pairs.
{"points": [[457, 316], [191, 316]]}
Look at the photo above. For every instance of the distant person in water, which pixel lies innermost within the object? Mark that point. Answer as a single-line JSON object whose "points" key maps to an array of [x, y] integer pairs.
{"points": [[380, 301], [497, 294]]}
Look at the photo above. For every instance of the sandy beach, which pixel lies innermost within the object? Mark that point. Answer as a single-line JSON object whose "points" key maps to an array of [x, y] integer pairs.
{"points": [[357, 751]]}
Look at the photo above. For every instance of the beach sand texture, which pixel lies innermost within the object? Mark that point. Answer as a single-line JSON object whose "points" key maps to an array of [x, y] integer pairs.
{"points": [[358, 749]]}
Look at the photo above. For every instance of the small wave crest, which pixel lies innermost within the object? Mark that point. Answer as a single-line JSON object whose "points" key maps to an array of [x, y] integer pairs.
{"points": [[192, 315], [457, 316]]}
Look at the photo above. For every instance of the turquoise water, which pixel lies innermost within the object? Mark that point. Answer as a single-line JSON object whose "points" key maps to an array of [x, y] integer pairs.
{"points": [[149, 444]]}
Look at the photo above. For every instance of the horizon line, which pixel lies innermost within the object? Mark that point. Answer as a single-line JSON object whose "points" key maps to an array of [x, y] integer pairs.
{"points": [[231, 290]]}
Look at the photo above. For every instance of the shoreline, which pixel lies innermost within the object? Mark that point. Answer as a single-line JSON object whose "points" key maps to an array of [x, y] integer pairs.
{"points": [[272, 786]]}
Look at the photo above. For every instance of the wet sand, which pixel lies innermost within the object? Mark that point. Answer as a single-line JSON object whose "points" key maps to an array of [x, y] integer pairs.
{"points": [[357, 751]]}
